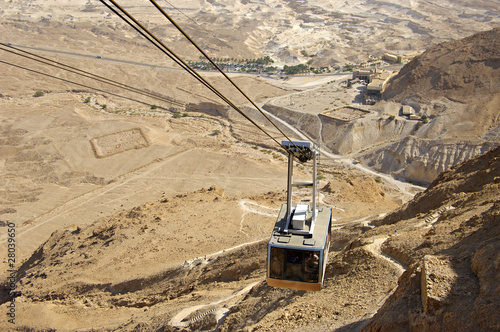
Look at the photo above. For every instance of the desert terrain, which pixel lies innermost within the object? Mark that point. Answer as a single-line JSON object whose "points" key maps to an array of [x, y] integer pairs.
{"points": [[334, 31], [134, 212]]}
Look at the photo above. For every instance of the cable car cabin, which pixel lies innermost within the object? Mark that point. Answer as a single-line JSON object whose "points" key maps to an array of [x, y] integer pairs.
{"points": [[297, 252], [296, 258]]}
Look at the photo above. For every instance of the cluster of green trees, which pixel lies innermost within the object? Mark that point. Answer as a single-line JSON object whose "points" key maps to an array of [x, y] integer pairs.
{"points": [[264, 65], [264, 61], [292, 70], [244, 65], [349, 67], [260, 61]]}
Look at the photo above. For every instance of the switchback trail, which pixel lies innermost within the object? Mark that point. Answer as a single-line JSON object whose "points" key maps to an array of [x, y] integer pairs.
{"points": [[178, 319]]}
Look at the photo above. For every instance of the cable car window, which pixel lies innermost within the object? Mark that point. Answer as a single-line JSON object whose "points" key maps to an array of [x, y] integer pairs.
{"points": [[277, 263], [294, 265], [311, 271]]}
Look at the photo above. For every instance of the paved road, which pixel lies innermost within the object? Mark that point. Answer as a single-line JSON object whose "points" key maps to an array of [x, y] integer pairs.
{"points": [[96, 57], [99, 57], [405, 188]]}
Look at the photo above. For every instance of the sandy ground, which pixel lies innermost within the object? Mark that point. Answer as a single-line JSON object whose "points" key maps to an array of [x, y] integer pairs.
{"points": [[64, 168], [67, 162], [57, 181]]}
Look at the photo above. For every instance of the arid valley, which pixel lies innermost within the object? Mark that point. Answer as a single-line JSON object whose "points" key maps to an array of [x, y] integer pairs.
{"points": [[141, 201]]}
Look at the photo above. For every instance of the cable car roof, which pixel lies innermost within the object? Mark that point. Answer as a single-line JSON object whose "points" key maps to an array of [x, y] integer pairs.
{"points": [[283, 237]]}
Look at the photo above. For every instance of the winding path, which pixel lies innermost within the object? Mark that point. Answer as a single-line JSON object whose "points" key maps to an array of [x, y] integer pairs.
{"points": [[246, 205], [375, 248], [178, 320]]}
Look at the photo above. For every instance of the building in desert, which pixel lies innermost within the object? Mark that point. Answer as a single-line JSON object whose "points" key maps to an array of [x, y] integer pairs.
{"points": [[376, 81], [399, 58], [364, 74]]}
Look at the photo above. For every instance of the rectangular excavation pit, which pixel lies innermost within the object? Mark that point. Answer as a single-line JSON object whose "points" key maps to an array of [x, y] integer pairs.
{"points": [[111, 144]]}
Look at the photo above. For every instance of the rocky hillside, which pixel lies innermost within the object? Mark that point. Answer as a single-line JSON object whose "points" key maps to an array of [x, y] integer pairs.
{"points": [[103, 277], [457, 70], [454, 91], [452, 282], [447, 238], [424, 159], [454, 85], [182, 256]]}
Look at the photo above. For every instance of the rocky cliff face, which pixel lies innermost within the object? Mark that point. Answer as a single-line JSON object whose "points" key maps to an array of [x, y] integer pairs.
{"points": [[405, 148], [351, 137], [423, 159]]}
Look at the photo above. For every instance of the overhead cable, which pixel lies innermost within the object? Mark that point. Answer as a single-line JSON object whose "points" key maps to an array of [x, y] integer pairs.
{"points": [[162, 47], [87, 74], [218, 68], [189, 18], [179, 61], [68, 81]]}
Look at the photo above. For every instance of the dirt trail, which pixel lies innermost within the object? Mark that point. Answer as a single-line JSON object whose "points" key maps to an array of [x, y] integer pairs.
{"points": [[177, 320], [246, 205], [205, 259], [374, 248], [258, 209]]}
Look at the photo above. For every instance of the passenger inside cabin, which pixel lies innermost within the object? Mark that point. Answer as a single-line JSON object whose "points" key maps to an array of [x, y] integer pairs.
{"points": [[312, 266]]}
